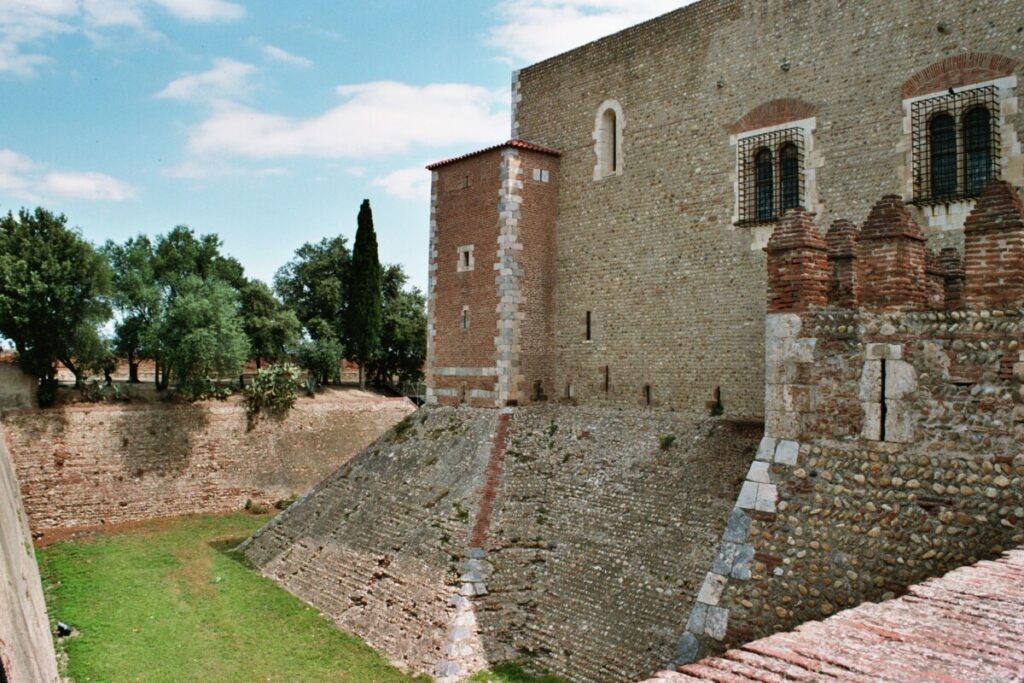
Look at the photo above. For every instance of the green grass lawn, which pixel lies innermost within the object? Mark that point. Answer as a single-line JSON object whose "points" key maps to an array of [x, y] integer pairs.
{"points": [[168, 601], [165, 601]]}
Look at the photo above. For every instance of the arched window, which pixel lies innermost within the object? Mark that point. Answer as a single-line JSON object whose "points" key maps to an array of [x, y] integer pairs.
{"points": [[764, 184], [789, 176], [977, 150], [942, 145], [608, 139]]}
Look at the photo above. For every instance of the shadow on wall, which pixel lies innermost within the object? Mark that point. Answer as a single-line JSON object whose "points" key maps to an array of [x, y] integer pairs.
{"points": [[163, 447]]}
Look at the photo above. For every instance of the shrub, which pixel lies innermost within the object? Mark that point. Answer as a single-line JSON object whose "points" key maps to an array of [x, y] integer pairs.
{"points": [[665, 441], [46, 394], [272, 391]]}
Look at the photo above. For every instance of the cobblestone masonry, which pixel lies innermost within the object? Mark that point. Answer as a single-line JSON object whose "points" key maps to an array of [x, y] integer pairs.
{"points": [[594, 548], [673, 288], [102, 464], [26, 647], [892, 449]]}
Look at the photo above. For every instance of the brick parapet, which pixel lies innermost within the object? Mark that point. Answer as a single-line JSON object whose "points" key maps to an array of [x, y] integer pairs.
{"points": [[953, 275], [994, 249], [842, 257], [892, 258], [798, 277]]}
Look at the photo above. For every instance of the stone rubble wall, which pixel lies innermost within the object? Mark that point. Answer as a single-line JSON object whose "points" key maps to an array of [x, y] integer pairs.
{"points": [[468, 537], [893, 447], [26, 647], [96, 464]]}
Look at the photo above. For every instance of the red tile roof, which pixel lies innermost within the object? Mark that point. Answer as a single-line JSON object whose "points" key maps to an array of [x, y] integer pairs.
{"points": [[966, 626], [515, 142]]}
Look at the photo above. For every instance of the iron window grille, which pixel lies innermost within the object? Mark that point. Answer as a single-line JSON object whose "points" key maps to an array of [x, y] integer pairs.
{"points": [[771, 175], [955, 145]]}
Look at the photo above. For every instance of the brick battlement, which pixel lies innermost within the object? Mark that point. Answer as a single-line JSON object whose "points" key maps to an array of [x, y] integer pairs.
{"points": [[885, 267]]}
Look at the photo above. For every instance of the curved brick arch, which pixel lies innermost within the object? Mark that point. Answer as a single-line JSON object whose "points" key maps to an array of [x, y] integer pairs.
{"points": [[956, 71], [772, 113]]}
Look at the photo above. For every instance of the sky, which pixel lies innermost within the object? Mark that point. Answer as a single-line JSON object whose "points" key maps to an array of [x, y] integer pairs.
{"points": [[266, 122]]}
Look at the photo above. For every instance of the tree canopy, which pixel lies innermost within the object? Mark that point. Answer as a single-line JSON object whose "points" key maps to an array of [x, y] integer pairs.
{"points": [[53, 292], [365, 307]]}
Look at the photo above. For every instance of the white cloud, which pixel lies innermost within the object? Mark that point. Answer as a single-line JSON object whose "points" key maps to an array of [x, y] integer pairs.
{"points": [[86, 185], [207, 169], [25, 24], [279, 55], [378, 118], [226, 79], [203, 10], [531, 30], [29, 180], [411, 184]]}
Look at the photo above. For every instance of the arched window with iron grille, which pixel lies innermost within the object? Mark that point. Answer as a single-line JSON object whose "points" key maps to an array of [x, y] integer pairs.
{"points": [[765, 184], [977, 150], [789, 176], [942, 143]]}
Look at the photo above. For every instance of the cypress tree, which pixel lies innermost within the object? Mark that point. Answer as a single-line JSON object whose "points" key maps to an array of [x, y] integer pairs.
{"points": [[364, 308]]}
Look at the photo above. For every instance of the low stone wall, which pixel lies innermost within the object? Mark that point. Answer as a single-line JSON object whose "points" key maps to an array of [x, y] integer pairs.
{"points": [[470, 536], [26, 647], [89, 465]]}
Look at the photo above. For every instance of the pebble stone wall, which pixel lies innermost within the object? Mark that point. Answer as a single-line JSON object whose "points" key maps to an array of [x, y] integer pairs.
{"points": [[893, 442], [472, 536], [90, 465], [675, 290]]}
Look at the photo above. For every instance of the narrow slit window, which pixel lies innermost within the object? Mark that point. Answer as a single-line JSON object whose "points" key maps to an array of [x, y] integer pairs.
{"points": [[464, 318], [765, 184], [789, 176], [588, 328], [647, 394], [977, 150], [607, 378], [942, 140]]}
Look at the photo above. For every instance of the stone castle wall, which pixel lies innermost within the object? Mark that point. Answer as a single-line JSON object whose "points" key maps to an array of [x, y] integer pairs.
{"points": [[676, 290], [104, 464], [26, 647], [894, 423], [467, 537]]}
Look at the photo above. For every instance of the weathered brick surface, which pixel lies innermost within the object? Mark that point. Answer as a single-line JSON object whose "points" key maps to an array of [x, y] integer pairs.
{"points": [[26, 647], [103, 464], [891, 260], [841, 238], [798, 273], [994, 249], [595, 538]]}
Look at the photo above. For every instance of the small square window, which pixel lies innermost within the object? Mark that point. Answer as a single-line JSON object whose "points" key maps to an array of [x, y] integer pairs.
{"points": [[466, 262], [541, 175]]}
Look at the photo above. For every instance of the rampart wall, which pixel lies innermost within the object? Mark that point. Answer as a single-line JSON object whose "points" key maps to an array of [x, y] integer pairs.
{"points": [[26, 647], [894, 421], [473, 536], [89, 465]]}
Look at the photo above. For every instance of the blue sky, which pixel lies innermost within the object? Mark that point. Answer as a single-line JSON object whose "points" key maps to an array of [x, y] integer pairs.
{"points": [[266, 122]]}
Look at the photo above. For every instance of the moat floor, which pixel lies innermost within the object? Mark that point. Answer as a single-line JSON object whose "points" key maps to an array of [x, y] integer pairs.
{"points": [[167, 601]]}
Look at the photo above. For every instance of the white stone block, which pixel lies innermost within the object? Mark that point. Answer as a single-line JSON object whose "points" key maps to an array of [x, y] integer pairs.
{"points": [[787, 452], [899, 423], [766, 449], [872, 421], [871, 382], [711, 590], [759, 472], [900, 379], [782, 325], [767, 495], [748, 496]]}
